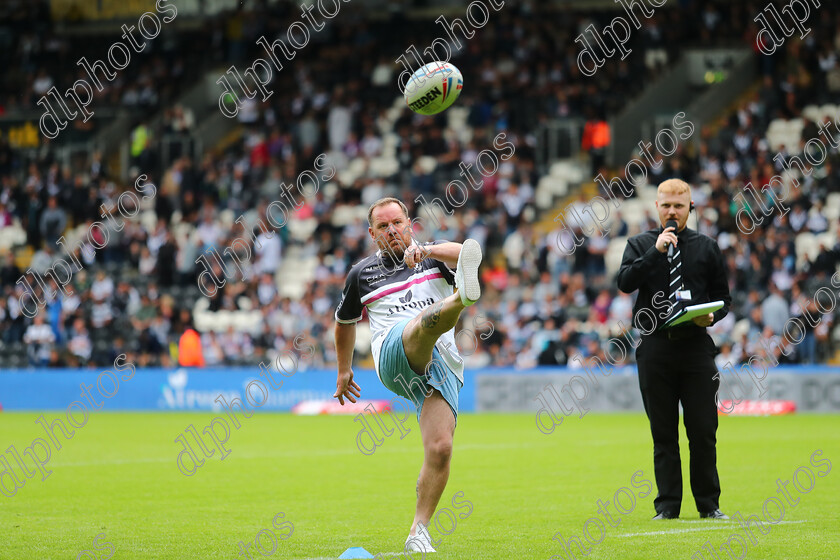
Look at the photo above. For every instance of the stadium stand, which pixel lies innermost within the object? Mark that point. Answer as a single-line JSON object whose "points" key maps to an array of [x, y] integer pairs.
{"points": [[546, 306]]}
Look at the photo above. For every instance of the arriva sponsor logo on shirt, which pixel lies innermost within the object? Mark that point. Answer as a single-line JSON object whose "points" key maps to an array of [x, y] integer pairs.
{"points": [[408, 304]]}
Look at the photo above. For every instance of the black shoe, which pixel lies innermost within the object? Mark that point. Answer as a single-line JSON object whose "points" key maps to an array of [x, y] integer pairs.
{"points": [[665, 515], [717, 514]]}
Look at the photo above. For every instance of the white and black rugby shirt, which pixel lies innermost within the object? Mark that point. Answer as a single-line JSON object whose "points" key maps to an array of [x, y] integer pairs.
{"points": [[391, 292]]}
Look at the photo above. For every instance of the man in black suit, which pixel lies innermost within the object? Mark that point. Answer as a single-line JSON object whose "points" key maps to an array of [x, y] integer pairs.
{"points": [[676, 365]]}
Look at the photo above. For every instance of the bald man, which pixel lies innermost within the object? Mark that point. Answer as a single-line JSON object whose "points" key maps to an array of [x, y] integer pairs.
{"points": [[676, 365]]}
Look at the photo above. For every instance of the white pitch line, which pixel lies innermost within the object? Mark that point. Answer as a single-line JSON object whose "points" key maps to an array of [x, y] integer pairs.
{"points": [[710, 528], [295, 453], [111, 462]]}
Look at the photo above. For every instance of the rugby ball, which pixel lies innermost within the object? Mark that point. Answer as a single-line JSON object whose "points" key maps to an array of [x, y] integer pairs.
{"points": [[433, 88]]}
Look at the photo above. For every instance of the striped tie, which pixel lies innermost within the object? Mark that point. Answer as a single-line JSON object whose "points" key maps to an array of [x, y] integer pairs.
{"points": [[675, 266]]}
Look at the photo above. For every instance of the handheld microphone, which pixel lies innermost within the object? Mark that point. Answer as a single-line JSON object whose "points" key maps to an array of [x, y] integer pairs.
{"points": [[670, 246]]}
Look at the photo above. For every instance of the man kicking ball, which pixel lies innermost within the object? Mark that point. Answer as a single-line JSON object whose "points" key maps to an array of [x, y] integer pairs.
{"points": [[413, 310]]}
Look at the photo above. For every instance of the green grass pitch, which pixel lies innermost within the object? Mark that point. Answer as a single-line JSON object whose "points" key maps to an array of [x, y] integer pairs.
{"points": [[118, 476]]}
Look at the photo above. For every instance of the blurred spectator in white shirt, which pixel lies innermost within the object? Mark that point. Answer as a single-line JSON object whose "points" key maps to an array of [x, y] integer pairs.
{"points": [[268, 252], [80, 344], [103, 287], [40, 338]]}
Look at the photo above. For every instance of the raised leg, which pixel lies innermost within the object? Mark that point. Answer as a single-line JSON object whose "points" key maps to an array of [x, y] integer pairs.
{"points": [[422, 332]]}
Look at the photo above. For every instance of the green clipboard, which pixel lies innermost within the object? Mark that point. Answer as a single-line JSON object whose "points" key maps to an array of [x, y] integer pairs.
{"points": [[692, 311]]}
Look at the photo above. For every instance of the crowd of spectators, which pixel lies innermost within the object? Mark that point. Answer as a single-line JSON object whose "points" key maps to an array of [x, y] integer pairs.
{"points": [[137, 294], [770, 282]]}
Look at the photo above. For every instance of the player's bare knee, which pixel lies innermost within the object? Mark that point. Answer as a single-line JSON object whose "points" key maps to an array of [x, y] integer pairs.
{"points": [[439, 451]]}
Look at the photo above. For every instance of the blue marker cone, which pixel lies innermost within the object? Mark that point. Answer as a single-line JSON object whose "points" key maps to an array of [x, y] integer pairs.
{"points": [[356, 552]]}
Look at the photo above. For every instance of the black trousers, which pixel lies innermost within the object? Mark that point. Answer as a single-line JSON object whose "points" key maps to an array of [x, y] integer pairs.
{"points": [[673, 372]]}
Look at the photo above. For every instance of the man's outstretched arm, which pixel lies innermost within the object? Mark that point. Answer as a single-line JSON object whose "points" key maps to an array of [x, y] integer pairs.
{"points": [[445, 252], [345, 341]]}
